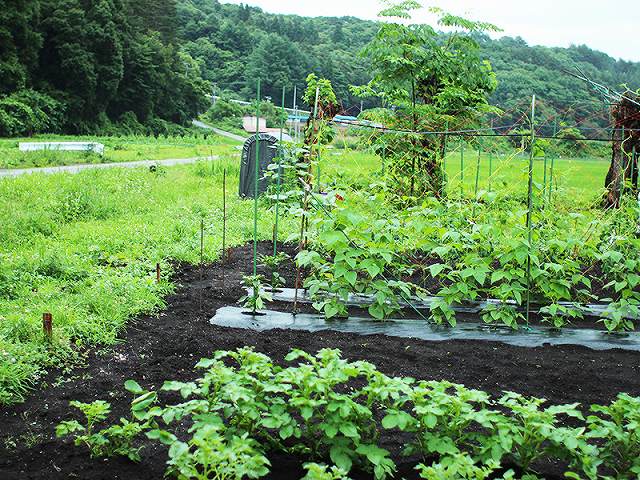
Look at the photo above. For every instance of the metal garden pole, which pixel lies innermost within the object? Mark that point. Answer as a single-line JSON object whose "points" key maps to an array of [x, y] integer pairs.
{"points": [[295, 113], [280, 150], [490, 168], [444, 157], [633, 166], [551, 178], [461, 166], [530, 204], [315, 115], [255, 187], [622, 166], [544, 179], [475, 190], [224, 214]]}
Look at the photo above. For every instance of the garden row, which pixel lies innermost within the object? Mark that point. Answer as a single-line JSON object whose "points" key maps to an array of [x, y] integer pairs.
{"points": [[464, 250], [324, 408]]}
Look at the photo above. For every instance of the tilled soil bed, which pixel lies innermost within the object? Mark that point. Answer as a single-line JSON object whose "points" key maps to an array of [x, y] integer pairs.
{"points": [[166, 346]]}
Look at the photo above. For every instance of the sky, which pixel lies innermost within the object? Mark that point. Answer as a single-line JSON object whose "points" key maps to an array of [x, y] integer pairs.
{"points": [[608, 26]]}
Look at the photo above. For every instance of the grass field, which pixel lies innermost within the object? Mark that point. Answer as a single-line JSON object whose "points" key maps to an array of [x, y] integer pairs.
{"points": [[84, 247], [117, 149], [579, 177]]}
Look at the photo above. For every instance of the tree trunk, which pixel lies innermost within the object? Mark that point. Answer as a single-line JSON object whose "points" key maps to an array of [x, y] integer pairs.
{"points": [[622, 177]]}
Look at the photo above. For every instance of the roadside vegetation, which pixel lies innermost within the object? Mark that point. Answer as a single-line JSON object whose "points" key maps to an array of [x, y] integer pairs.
{"points": [[119, 148]]}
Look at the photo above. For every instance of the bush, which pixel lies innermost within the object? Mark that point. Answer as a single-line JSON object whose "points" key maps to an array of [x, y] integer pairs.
{"points": [[27, 112]]}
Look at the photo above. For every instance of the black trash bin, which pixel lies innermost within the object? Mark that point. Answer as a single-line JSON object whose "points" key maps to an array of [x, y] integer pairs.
{"points": [[268, 151]]}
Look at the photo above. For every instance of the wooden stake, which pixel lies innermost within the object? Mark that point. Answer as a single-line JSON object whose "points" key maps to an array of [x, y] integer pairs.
{"points": [[47, 326], [157, 273]]}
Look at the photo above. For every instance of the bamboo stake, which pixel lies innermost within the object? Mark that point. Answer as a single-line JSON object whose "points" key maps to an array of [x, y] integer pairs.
{"points": [[47, 326]]}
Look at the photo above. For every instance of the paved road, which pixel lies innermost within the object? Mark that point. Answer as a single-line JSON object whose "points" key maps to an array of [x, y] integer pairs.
{"points": [[233, 136], [90, 166]]}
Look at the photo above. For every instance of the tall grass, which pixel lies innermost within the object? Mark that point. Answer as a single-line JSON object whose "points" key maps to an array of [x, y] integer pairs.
{"points": [[84, 247]]}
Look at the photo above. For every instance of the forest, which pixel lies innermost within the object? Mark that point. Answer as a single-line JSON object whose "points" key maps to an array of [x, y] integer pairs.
{"points": [[80, 66]]}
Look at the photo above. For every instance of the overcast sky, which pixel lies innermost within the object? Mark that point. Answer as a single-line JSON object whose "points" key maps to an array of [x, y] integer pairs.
{"points": [[608, 26]]}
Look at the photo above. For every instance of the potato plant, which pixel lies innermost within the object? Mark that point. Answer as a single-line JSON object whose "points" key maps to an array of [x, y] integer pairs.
{"points": [[334, 414]]}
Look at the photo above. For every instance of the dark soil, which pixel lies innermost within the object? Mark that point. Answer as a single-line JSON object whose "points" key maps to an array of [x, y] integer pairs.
{"points": [[166, 346]]}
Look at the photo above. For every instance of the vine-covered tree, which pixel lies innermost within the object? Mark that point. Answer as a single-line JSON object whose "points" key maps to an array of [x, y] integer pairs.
{"points": [[623, 171], [427, 82]]}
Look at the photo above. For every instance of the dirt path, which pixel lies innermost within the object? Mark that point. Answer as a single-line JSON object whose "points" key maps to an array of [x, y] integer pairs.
{"points": [[92, 166], [232, 136]]}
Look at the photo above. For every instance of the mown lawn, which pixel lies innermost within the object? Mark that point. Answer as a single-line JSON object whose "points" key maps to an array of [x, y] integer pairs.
{"points": [[582, 178]]}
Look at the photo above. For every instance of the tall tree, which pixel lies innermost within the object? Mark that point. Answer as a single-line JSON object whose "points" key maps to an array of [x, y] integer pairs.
{"points": [[20, 43], [427, 81]]}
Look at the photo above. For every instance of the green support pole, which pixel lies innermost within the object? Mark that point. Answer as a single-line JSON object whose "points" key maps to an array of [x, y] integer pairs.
{"points": [[633, 165], [255, 187], [530, 204], [622, 166], [551, 178], [544, 179], [315, 116], [444, 157], [490, 168], [275, 228], [475, 190], [384, 155], [461, 167]]}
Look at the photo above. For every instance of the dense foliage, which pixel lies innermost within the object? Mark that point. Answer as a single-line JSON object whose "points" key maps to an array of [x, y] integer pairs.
{"points": [[79, 66], [426, 82], [326, 409]]}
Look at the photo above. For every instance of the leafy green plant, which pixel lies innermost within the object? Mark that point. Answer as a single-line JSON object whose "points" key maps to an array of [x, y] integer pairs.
{"points": [[209, 454], [325, 408], [273, 262], [316, 471], [617, 426], [532, 433], [256, 296], [115, 440]]}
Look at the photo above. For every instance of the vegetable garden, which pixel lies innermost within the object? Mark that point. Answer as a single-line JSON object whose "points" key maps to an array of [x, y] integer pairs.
{"points": [[128, 377]]}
